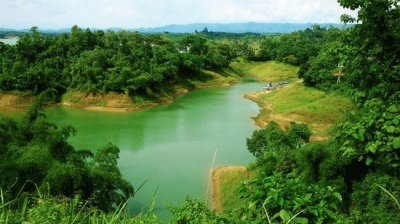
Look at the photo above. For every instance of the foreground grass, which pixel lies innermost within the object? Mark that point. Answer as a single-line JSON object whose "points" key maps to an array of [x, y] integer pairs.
{"points": [[65, 210], [301, 104]]}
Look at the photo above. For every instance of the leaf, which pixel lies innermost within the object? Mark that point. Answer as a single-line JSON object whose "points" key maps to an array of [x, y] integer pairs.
{"points": [[307, 197], [302, 220], [392, 109], [396, 143], [390, 129], [285, 216], [369, 161], [372, 148], [337, 196]]}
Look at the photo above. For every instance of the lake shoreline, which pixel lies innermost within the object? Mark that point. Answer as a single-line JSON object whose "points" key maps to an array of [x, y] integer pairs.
{"points": [[12, 101]]}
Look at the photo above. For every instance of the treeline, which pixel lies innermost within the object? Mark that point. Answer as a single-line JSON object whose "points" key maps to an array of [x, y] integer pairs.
{"points": [[10, 33], [317, 50], [98, 61]]}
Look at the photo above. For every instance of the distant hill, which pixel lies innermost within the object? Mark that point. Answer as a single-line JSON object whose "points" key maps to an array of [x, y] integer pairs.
{"points": [[250, 27], [236, 27]]}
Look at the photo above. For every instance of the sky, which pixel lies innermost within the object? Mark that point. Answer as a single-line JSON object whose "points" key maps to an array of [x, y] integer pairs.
{"points": [[54, 14]]}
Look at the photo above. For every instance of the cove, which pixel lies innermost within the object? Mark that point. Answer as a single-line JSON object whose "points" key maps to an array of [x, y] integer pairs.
{"points": [[171, 146]]}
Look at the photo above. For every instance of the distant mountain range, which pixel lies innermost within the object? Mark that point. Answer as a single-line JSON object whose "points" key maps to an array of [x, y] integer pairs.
{"points": [[236, 27], [250, 27]]}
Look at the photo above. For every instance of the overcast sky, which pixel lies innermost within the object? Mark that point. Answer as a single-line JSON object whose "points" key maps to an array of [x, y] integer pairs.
{"points": [[150, 13]]}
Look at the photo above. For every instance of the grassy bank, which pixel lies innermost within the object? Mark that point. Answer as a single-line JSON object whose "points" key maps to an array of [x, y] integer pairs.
{"points": [[226, 181], [294, 102], [119, 102], [301, 104]]}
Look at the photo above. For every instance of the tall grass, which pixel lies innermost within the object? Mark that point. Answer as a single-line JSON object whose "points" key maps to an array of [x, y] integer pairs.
{"points": [[390, 194], [42, 208]]}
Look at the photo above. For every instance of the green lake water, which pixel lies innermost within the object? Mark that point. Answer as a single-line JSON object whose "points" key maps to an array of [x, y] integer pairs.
{"points": [[171, 146]]}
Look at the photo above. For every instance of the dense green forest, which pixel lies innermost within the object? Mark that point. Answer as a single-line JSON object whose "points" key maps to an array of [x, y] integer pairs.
{"points": [[36, 156], [101, 62], [351, 178]]}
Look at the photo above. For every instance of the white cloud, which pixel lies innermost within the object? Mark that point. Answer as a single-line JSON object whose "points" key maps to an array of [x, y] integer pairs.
{"points": [[140, 13]]}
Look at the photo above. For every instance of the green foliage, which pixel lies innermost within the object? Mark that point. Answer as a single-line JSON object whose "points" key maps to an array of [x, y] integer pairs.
{"points": [[195, 211], [372, 135], [47, 209], [320, 162], [272, 138], [322, 68], [295, 48], [268, 49], [370, 204], [282, 197], [35, 152], [279, 190], [100, 62]]}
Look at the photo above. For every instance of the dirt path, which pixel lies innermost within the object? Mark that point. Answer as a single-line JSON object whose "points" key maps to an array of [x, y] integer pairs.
{"points": [[217, 175]]}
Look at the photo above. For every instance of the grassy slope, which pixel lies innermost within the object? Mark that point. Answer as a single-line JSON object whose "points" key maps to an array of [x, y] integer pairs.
{"points": [[270, 71], [229, 186], [225, 77], [226, 181], [304, 105], [294, 102]]}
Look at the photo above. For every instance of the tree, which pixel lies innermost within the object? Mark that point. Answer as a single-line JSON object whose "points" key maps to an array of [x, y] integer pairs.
{"points": [[374, 48], [272, 138], [36, 153]]}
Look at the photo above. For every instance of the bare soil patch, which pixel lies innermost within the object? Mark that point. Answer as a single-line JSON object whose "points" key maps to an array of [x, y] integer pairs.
{"points": [[13, 103]]}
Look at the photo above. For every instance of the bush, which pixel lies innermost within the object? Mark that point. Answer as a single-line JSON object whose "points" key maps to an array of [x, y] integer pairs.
{"points": [[195, 211], [320, 163], [285, 196], [371, 203]]}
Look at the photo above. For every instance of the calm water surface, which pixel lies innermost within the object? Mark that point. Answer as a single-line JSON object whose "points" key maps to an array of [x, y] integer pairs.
{"points": [[171, 146]]}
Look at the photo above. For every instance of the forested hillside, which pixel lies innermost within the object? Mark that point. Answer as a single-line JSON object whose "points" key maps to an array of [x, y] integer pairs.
{"points": [[101, 62]]}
